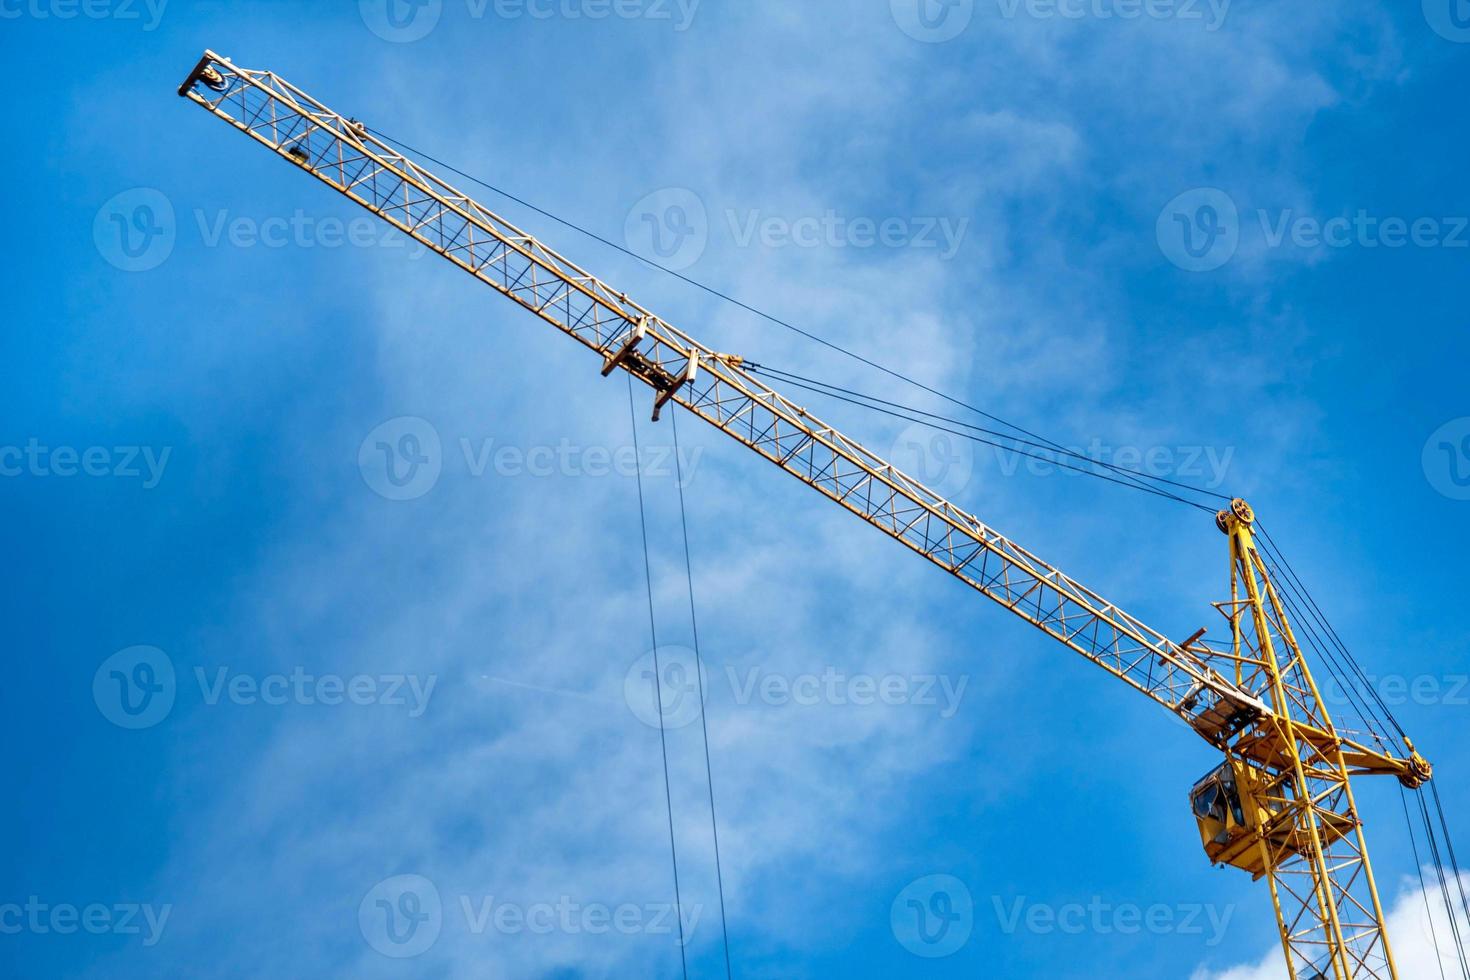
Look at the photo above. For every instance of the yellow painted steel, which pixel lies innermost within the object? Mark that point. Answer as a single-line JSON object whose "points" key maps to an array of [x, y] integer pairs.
{"points": [[1285, 806], [1300, 814]]}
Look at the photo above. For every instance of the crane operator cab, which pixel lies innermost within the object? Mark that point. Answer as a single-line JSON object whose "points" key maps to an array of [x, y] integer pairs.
{"points": [[1237, 811], [1225, 806]]}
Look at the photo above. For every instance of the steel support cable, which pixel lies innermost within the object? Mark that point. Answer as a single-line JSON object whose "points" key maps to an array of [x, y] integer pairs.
{"points": [[763, 315], [1047, 444], [1450, 849], [658, 693], [1328, 628], [846, 352], [980, 439], [1377, 728], [1356, 700], [1423, 885], [1302, 624], [1444, 888], [1053, 446], [1433, 845], [699, 673]]}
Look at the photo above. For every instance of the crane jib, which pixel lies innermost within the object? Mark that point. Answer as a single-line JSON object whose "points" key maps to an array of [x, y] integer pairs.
{"points": [[1281, 805]]}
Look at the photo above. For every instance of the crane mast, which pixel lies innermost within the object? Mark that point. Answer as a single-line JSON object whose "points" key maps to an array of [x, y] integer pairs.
{"points": [[1280, 806]]}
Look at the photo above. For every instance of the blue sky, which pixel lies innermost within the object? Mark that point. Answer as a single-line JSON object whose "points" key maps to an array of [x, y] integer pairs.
{"points": [[1226, 239]]}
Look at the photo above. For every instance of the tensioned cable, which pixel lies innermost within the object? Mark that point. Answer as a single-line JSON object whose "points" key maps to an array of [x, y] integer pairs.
{"points": [[1450, 849], [1289, 592], [1444, 888], [1328, 628], [1292, 581], [699, 673], [658, 692], [751, 309], [980, 439], [1349, 688], [1423, 886], [1443, 885], [709, 289], [892, 373], [1048, 445], [1303, 624]]}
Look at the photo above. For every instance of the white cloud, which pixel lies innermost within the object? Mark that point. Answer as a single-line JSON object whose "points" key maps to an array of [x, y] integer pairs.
{"points": [[530, 795], [1417, 923]]}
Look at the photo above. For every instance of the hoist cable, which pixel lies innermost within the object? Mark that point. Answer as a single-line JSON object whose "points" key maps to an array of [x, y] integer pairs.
{"points": [[699, 673], [1450, 850], [1125, 476], [658, 692], [1423, 886], [1444, 887]]}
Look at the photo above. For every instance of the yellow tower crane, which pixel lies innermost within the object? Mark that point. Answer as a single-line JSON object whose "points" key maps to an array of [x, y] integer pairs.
{"points": [[1280, 806]]}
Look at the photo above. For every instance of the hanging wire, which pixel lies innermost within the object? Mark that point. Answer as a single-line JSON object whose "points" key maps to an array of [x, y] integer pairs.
{"points": [[1423, 886], [714, 825], [658, 692], [1295, 594], [1444, 888], [1450, 849]]}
